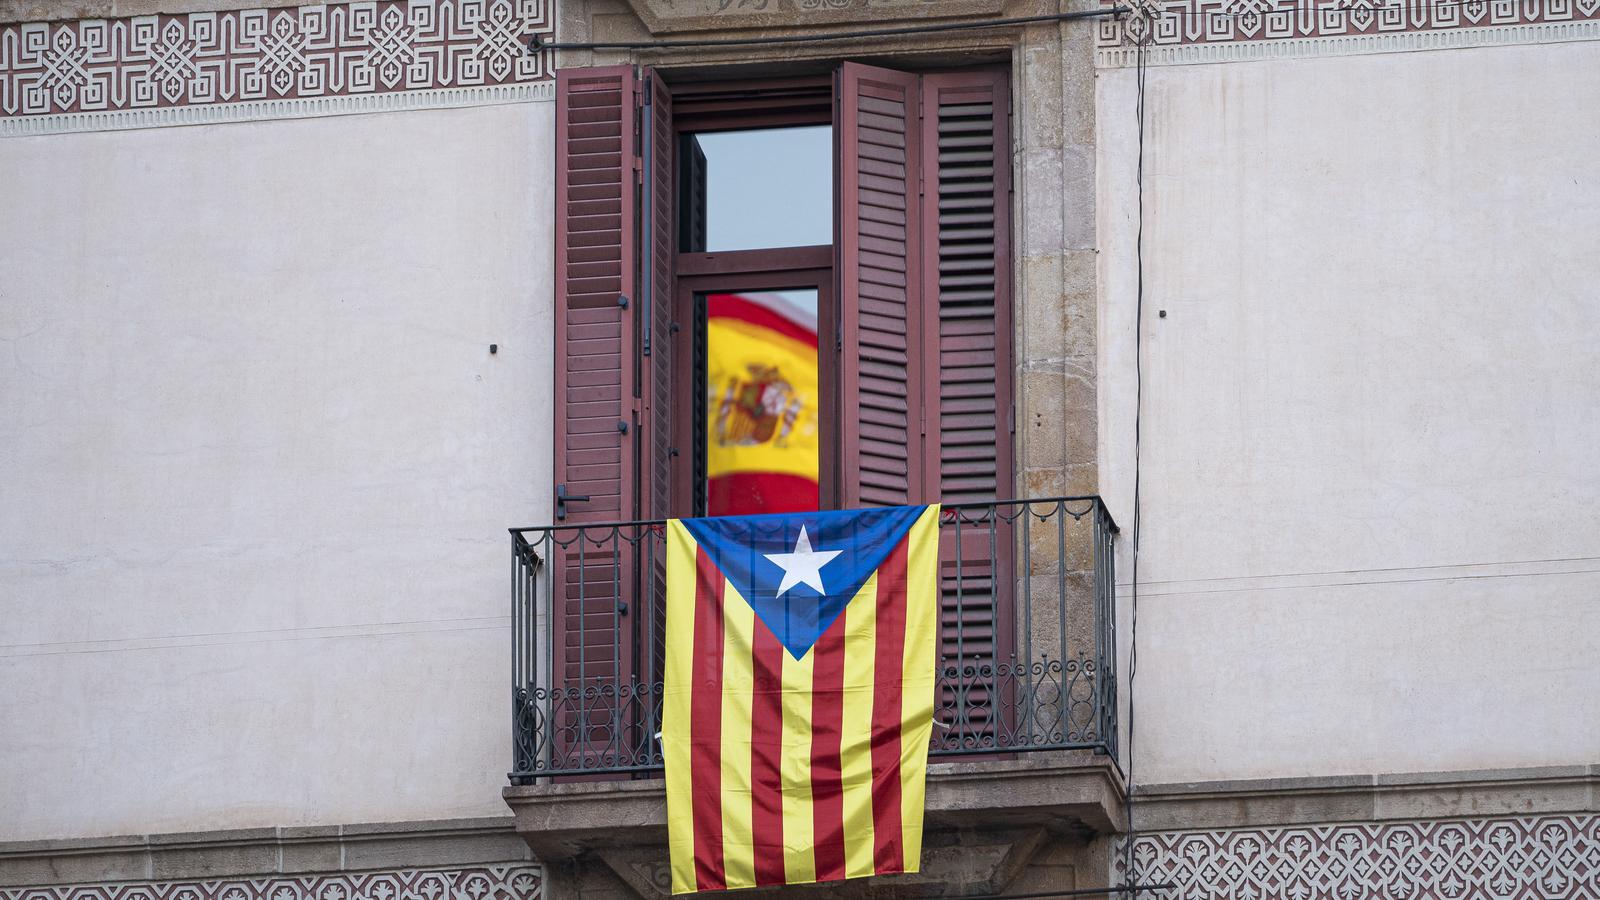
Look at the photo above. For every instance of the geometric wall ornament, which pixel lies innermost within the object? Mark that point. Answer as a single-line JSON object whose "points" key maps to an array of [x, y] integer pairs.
{"points": [[1534, 858], [510, 881], [1371, 25], [148, 69]]}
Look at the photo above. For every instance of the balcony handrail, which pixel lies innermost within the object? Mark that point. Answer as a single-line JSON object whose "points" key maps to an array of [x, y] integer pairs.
{"points": [[1096, 499]]}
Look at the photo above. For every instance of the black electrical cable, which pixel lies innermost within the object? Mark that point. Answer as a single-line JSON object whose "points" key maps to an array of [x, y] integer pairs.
{"points": [[537, 43], [1130, 874]]}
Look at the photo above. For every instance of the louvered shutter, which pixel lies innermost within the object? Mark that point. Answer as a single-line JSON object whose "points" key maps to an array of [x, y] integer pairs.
{"points": [[657, 212], [595, 441], [966, 144], [966, 346], [595, 263], [880, 382], [925, 374], [658, 217]]}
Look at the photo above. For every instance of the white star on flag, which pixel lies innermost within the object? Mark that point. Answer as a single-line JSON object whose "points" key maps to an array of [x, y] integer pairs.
{"points": [[803, 566]]}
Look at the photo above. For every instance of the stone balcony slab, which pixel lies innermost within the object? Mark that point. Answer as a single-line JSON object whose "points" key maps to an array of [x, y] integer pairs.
{"points": [[986, 820]]}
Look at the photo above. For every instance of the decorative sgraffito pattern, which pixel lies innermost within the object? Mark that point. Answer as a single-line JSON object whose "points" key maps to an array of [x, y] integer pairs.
{"points": [[1162, 23], [517, 881], [1540, 858], [310, 52]]}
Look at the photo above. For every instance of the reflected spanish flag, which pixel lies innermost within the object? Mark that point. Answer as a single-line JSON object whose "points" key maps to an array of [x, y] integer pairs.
{"points": [[762, 442]]}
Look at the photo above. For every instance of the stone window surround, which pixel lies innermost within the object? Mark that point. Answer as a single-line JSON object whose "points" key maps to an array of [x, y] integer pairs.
{"points": [[1054, 259]]}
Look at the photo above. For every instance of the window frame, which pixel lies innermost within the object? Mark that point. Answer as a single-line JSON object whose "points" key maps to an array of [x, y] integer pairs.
{"points": [[620, 284], [711, 107], [758, 270]]}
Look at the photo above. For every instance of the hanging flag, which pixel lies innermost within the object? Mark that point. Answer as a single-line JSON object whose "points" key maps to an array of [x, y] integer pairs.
{"points": [[799, 686]]}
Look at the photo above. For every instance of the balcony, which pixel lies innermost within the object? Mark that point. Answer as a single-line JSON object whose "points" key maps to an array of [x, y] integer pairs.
{"points": [[1025, 715]]}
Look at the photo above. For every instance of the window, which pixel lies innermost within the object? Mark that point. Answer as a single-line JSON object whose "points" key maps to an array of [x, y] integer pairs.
{"points": [[756, 188], [683, 211]]}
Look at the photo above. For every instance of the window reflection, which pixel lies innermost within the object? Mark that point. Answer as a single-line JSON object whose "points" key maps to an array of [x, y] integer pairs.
{"points": [[757, 189], [762, 439]]}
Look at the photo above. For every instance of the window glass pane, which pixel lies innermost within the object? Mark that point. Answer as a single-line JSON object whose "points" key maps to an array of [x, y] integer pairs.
{"points": [[761, 404], [759, 189]]}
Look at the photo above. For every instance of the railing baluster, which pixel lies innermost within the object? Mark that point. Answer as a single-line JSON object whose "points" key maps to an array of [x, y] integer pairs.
{"points": [[1027, 696], [649, 613], [549, 721], [617, 721], [997, 715], [960, 641], [516, 654], [582, 736], [1063, 689]]}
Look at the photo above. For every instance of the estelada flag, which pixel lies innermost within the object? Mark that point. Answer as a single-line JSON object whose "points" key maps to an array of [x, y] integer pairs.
{"points": [[798, 694]]}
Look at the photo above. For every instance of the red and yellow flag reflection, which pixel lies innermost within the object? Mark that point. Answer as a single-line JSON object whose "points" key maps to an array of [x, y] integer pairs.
{"points": [[762, 441]]}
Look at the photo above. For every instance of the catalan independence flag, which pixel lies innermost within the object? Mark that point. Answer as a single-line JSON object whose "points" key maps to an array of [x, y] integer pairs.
{"points": [[799, 691]]}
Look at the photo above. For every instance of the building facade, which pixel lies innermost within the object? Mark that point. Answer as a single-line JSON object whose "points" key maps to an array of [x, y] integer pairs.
{"points": [[1251, 345]]}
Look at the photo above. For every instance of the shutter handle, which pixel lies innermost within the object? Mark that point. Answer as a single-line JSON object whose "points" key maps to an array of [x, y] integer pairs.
{"points": [[622, 300], [563, 498]]}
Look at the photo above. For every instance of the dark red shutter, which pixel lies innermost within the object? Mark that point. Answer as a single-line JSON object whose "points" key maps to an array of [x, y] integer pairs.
{"points": [[594, 273], [659, 218], [595, 437], [880, 384], [966, 142], [966, 345], [614, 234], [658, 209]]}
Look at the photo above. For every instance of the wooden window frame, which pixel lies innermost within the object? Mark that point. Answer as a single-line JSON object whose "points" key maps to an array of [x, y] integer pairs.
{"points": [[797, 268], [711, 107]]}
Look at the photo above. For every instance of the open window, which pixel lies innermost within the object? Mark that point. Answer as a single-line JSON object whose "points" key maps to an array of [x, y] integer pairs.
{"points": [[755, 299], [689, 219]]}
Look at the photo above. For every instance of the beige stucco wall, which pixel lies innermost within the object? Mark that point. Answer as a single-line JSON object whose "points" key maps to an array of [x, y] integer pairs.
{"points": [[1371, 507], [256, 463]]}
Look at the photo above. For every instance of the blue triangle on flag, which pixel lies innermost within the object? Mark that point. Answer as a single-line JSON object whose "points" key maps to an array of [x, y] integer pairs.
{"points": [[775, 568]]}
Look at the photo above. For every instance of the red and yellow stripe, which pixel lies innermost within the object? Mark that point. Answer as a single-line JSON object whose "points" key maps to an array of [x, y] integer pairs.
{"points": [[786, 771]]}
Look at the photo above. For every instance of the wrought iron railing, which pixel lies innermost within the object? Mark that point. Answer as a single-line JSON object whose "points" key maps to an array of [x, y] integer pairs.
{"points": [[1027, 638]]}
